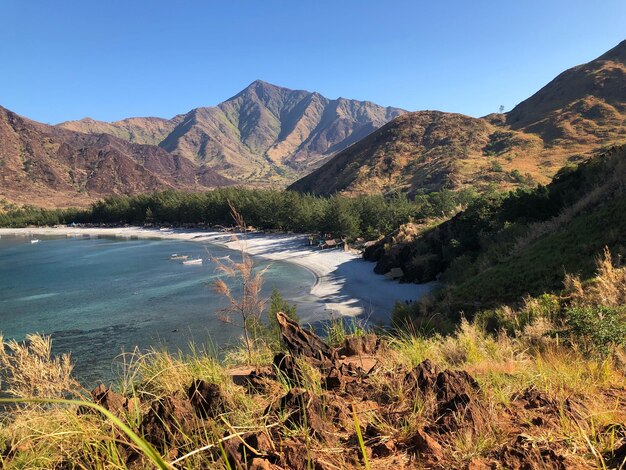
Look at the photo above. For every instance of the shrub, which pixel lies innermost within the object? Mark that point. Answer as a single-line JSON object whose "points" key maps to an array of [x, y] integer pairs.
{"points": [[597, 328], [278, 304]]}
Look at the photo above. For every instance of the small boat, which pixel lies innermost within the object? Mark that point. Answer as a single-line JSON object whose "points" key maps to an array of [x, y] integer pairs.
{"points": [[177, 256], [34, 241], [193, 261]]}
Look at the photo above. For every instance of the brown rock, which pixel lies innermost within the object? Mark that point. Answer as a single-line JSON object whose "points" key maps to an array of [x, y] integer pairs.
{"points": [[303, 410], [294, 456], [335, 380], [166, 420], [206, 398], [479, 464], [301, 342], [617, 458], [249, 447], [287, 367], [255, 380], [338, 412], [422, 377], [110, 400], [358, 345], [532, 398], [524, 454], [426, 447], [384, 449], [456, 407], [262, 464], [452, 385]]}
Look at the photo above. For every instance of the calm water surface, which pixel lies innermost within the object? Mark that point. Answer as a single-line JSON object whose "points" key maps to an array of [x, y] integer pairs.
{"points": [[100, 296]]}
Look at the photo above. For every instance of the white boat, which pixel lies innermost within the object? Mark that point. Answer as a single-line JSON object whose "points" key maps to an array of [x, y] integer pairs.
{"points": [[177, 256], [193, 261], [34, 241]]}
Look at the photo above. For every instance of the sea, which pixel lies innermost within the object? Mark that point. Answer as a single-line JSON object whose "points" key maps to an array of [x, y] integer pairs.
{"points": [[100, 298]]}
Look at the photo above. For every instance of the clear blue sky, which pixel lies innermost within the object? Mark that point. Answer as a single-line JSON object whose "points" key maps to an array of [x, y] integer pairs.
{"points": [[110, 59]]}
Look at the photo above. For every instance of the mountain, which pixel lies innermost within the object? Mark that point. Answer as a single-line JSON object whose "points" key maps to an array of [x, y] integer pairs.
{"points": [[421, 151], [579, 112], [49, 166], [265, 134]]}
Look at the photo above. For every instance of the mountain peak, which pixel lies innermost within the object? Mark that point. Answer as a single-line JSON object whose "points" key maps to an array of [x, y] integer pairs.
{"points": [[596, 84], [261, 85], [259, 88]]}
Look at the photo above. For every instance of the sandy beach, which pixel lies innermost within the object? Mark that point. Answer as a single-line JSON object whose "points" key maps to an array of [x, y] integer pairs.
{"points": [[346, 284]]}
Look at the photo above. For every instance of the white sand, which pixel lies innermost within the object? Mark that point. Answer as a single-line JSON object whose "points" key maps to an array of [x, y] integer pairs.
{"points": [[346, 284]]}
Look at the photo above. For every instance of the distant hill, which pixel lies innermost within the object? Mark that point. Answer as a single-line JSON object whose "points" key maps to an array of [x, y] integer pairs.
{"points": [[52, 167], [576, 114], [265, 134], [269, 136], [150, 130]]}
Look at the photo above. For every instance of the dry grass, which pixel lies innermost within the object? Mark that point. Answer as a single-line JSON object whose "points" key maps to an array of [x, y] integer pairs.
{"points": [[243, 309], [607, 288], [503, 366], [28, 369]]}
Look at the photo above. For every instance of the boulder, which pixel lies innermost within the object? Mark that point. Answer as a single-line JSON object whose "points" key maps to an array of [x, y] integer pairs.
{"points": [[286, 365], [301, 342], [302, 410], [427, 448], [256, 448], [166, 419]]}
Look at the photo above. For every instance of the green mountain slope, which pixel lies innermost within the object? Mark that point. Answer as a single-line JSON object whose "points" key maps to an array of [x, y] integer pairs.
{"points": [[502, 248]]}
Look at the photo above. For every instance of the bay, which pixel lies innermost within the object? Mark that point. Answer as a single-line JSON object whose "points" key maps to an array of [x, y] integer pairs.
{"points": [[99, 296]]}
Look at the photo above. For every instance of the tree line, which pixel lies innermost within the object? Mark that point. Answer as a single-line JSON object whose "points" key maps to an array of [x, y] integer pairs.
{"points": [[367, 216]]}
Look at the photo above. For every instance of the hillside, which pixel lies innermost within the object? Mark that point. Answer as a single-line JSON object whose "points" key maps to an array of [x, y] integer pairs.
{"points": [[502, 248], [584, 105], [264, 134], [579, 112], [52, 167]]}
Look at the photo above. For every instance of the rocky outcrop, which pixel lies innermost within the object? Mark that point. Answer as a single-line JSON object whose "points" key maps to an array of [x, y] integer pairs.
{"points": [[316, 399]]}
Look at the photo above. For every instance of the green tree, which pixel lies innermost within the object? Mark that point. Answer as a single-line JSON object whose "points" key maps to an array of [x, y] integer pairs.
{"points": [[278, 304]]}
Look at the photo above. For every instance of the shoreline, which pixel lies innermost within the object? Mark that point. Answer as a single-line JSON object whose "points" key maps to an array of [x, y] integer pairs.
{"points": [[346, 285]]}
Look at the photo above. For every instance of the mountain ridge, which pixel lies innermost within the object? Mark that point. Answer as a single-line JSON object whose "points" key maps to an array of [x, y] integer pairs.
{"points": [[264, 133]]}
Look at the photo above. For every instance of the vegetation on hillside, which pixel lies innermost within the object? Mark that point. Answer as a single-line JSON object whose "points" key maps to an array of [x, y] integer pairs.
{"points": [[503, 247], [567, 121]]}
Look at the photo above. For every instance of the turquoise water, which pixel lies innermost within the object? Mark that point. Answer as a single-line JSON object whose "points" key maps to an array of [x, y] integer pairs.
{"points": [[98, 297]]}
